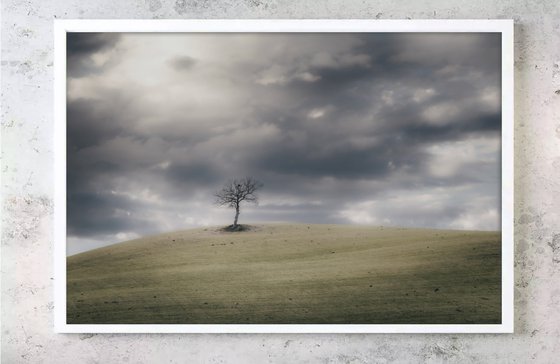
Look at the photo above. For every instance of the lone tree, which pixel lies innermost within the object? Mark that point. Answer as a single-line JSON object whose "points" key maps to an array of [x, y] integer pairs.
{"points": [[236, 191]]}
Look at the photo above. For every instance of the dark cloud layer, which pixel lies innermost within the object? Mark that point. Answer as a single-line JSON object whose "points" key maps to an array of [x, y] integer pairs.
{"points": [[82, 47], [399, 129]]}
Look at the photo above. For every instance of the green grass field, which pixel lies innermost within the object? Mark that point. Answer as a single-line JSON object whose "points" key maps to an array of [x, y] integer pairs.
{"points": [[291, 274]]}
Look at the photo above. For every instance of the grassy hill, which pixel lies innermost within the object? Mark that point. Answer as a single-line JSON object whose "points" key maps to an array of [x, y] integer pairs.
{"points": [[296, 274]]}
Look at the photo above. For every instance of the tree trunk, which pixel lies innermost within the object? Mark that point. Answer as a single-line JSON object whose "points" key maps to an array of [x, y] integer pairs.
{"points": [[236, 216]]}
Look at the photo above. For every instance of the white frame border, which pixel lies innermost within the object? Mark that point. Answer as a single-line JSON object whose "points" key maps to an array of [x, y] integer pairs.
{"points": [[61, 27]]}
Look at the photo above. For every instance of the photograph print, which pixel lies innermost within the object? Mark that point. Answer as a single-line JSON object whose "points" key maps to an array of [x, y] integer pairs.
{"points": [[283, 178]]}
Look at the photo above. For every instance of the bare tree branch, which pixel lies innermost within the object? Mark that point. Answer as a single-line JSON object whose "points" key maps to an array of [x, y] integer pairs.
{"points": [[236, 191]]}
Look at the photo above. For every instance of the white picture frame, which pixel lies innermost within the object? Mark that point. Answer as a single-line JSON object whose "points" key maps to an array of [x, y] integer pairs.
{"points": [[62, 27]]}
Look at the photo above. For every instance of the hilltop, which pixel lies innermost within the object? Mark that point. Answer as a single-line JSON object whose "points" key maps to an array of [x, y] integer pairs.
{"points": [[280, 273]]}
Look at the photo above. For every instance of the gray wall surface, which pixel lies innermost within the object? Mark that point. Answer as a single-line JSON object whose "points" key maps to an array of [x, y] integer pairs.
{"points": [[27, 194]]}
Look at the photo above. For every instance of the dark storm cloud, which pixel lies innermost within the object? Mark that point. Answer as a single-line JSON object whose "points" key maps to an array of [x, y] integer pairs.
{"points": [[96, 206], [191, 174], [88, 43], [343, 162], [90, 123], [81, 47], [399, 129]]}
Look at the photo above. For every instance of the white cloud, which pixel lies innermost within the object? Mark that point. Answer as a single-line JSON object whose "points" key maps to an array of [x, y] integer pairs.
{"points": [[449, 158], [274, 75], [490, 99], [423, 94], [437, 207], [307, 77], [364, 213], [280, 75], [442, 113], [316, 113], [387, 97], [481, 219], [124, 236], [163, 165]]}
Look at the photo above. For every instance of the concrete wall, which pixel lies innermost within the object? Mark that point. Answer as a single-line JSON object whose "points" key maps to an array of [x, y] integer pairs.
{"points": [[27, 191]]}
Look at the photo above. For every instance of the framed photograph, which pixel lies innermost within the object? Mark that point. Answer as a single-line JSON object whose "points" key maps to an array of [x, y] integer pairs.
{"points": [[284, 176]]}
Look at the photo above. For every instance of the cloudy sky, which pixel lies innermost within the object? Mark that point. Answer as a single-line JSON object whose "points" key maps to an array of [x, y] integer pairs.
{"points": [[376, 129]]}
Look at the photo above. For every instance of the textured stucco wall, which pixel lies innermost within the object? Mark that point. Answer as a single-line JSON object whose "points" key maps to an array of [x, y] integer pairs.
{"points": [[27, 191]]}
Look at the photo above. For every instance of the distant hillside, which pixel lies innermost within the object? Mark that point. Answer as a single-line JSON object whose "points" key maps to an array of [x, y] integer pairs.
{"points": [[291, 274]]}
